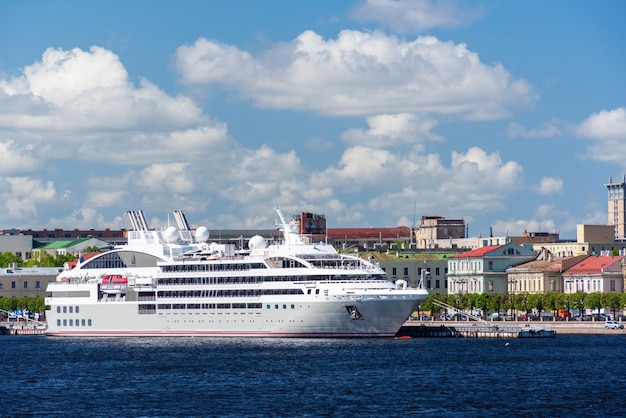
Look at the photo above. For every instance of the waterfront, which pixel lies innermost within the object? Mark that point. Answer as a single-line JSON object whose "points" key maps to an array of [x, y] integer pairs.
{"points": [[571, 375]]}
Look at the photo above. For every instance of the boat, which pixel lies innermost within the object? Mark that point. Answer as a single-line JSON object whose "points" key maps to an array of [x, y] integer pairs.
{"points": [[174, 282], [114, 284]]}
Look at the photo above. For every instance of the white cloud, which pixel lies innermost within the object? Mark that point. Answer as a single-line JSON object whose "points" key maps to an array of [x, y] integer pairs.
{"points": [[16, 159], [550, 185], [359, 73], [546, 130], [20, 196], [415, 16], [70, 90], [607, 125], [607, 130], [392, 130]]}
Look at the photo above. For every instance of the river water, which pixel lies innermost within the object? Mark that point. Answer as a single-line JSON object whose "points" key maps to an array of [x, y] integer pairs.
{"points": [[566, 376]]}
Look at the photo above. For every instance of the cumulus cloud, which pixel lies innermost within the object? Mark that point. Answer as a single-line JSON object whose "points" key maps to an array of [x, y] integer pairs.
{"points": [[359, 73], [550, 185], [415, 16], [393, 130], [20, 196], [546, 130], [607, 130], [76, 89], [16, 159]]}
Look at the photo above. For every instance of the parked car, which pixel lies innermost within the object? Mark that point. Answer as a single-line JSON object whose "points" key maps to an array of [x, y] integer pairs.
{"points": [[613, 325]]}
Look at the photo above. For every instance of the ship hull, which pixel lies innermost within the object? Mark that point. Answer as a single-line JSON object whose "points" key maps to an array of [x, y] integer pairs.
{"points": [[374, 316]]}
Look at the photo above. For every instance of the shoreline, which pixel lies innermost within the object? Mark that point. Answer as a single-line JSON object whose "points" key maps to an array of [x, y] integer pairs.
{"points": [[561, 327]]}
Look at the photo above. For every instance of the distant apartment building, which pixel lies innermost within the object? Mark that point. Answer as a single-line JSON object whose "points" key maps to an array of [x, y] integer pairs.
{"points": [[433, 229], [617, 207], [429, 268], [541, 275], [595, 274], [483, 270], [313, 228], [590, 240]]}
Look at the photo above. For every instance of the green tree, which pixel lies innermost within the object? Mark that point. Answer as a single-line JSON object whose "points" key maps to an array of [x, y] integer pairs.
{"points": [[551, 302], [614, 301], [535, 301], [578, 302], [6, 259], [521, 303], [594, 301], [495, 302], [482, 303]]}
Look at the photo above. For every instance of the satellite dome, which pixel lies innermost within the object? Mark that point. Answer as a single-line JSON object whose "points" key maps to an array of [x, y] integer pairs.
{"points": [[257, 242], [170, 233], [202, 234]]}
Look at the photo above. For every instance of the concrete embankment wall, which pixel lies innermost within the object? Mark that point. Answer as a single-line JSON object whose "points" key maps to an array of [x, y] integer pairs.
{"points": [[561, 327]]}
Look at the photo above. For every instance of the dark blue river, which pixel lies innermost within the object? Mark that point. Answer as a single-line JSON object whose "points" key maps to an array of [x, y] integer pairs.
{"points": [[566, 376]]}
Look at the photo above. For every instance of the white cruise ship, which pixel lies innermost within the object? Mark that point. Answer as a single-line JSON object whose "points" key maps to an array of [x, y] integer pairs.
{"points": [[174, 282]]}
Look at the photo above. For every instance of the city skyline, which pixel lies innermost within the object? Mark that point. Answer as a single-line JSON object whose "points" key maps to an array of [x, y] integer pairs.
{"points": [[510, 116]]}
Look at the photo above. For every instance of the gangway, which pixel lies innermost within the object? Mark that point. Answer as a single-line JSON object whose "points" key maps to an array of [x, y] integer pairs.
{"points": [[459, 311], [12, 315]]}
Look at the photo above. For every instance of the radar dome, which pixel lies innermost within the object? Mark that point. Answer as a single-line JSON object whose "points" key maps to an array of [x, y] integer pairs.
{"points": [[170, 233], [202, 234], [257, 242]]}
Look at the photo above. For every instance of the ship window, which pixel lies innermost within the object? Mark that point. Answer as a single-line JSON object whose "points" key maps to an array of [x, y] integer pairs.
{"points": [[77, 309], [65, 309], [89, 322], [58, 322], [268, 306], [77, 323], [71, 309], [284, 306], [293, 307], [71, 322], [58, 309], [65, 322], [276, 307], [82, 322]]}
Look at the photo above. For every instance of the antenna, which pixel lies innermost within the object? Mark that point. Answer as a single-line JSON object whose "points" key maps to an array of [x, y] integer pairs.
{"points": [[412, 229]]}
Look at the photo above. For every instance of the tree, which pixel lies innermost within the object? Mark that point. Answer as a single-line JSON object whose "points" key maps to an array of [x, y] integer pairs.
{"points": [[482, 302], [578, 302], [594, 301], [551, 302], [535, 301], [6, 259], [521, 303], [614, 302]]}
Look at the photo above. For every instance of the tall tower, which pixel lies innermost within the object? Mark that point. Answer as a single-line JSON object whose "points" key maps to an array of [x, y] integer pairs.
{"points": [[617, 207]]}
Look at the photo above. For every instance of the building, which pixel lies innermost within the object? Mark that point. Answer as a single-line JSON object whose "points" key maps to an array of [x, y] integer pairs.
{"points": [[414, 267], [541, 275], [74, 247], [45, 235], [26, 282], [18, 245], [590, 240], [617, 207], [595, 274], [483, 270], [434, 229]]}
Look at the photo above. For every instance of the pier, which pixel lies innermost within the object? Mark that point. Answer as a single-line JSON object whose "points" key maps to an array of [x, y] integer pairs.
{"points": [[452, 330]]}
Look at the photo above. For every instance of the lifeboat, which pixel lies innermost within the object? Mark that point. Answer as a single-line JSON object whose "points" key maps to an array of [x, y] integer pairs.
{"points": [[114, 284]]}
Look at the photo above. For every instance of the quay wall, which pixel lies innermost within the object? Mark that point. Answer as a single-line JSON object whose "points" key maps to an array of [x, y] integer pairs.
{"points": [[561, 327]]}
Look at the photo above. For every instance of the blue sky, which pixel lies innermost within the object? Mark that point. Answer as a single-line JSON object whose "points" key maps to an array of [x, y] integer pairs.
{"points": [[509, 115]]}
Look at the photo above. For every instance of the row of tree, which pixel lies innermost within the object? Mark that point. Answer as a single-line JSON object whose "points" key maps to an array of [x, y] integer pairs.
{"points": [[39, 258], [36, 304], [528, 302]]}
